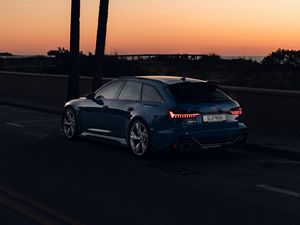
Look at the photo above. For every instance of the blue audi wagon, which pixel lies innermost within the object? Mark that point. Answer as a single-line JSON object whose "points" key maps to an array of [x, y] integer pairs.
{"points": [[153, 113]]}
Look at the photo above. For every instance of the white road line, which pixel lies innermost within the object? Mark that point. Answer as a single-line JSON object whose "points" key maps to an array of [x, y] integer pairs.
{"points": [[17, 123], [275, 161], [9, 112], [37, 121], [278, 190], [39, 135], [14, 124]]}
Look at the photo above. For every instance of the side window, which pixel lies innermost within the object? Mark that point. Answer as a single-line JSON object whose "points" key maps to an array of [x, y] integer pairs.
{"points": [[150, 94], [110, 91], [131, 91]]}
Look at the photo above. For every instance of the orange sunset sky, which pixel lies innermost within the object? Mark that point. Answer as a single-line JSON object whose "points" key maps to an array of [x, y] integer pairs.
{"points": [[226, 27]]}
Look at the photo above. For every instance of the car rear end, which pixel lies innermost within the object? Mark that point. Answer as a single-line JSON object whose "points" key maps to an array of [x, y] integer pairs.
{"points": [[203, 116]]}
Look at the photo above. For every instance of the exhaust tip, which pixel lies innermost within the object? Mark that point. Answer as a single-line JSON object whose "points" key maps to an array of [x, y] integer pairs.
{"points": [[186, 146]]}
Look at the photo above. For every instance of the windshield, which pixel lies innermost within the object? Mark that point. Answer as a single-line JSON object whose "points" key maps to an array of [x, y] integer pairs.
{"points": [[197, 92]]}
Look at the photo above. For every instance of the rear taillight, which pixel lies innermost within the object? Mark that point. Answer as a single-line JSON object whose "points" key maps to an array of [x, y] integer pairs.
{"points": [[183, 115], [236, 111]]}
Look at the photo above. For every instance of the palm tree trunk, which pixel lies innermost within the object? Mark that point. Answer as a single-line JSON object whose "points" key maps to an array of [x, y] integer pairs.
{"points": [[100, 43], [73, 80]]}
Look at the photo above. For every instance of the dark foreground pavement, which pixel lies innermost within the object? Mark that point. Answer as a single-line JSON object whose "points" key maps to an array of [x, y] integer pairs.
{"points": [[46, 179]]}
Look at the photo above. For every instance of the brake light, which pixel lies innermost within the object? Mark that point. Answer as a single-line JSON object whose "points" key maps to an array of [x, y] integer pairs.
{"points": [[236, 111], [183, 115]]}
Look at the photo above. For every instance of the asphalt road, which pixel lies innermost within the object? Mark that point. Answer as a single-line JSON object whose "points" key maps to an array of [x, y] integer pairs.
{"points": [[46, 179]]}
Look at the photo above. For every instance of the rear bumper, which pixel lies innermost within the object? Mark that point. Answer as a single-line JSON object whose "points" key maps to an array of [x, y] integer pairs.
{"points": [[201, 139], [187, 143]]}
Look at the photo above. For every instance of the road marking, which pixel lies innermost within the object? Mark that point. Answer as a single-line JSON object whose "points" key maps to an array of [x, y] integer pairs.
{"points": [[38, 135], [17, 123], [174, 169], [14, 124], [37, 121], [278, 190], [33, 209], [9, 112], [26, 211], [272, 161]]}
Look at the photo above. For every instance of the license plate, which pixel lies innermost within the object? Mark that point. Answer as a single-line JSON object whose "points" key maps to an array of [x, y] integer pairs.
{"points": [[214, 118]]}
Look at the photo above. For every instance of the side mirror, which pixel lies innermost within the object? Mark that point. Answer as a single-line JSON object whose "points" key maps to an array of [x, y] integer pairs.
{"points": [[90, 96]]}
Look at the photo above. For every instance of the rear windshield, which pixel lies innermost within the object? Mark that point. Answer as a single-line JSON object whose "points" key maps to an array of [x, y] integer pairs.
{"points": [[197, 92]]}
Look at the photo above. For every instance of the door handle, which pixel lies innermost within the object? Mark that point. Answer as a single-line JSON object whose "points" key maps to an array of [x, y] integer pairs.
{"points": [[105, 107], [130, 109]]}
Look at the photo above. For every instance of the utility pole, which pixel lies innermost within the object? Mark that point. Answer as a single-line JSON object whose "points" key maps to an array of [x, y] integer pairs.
{"points": [[100, 43], [73, 79]]}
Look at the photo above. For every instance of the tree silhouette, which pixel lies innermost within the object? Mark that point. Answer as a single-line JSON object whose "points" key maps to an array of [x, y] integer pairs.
{"points": [[100, 43], [73, 80], [283, 57]]}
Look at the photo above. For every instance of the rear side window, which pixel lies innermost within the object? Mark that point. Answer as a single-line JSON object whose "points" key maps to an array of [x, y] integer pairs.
{"points": [[150, 94], [197, 92], [110, 91], [131, 91]]}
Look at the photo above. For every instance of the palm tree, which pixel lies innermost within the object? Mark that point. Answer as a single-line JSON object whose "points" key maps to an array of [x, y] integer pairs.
{"points": [[100, 43], [73, 79]]}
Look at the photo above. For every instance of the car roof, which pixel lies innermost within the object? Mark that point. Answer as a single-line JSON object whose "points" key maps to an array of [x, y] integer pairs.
{"points": [[168, 80]]}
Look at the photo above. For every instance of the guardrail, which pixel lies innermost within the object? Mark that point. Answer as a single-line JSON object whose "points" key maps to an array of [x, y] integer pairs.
{"points": [[266, 110]]}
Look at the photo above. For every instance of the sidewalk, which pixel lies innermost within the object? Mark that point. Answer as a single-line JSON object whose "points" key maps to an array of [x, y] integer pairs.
{"points": [[282, 144]]}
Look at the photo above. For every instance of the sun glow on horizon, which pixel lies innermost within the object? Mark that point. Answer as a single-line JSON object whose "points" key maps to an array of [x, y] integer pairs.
{"points": [[225, 27]]}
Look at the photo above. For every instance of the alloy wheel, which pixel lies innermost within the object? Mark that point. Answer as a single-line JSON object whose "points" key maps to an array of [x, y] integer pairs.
{"points": [[69, 123], [139, 138]]}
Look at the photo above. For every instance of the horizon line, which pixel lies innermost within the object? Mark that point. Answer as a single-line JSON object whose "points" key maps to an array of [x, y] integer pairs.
{"points": [[149, 54]]}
